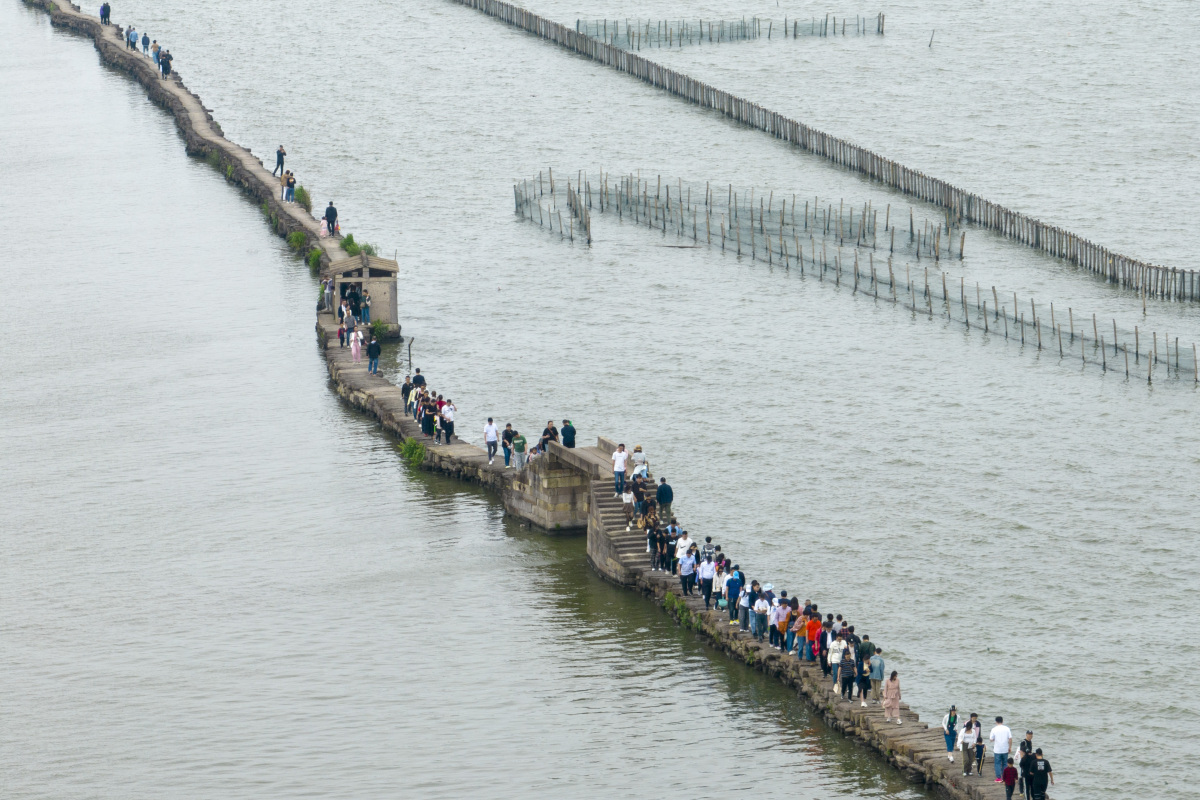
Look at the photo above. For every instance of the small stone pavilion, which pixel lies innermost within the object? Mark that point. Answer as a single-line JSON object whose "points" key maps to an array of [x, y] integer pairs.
{"points": [[373, 274]]}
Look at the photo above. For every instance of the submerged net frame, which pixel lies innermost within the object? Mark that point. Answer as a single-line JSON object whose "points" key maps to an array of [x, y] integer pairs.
{"points": [[635, 34], [842, 244]]}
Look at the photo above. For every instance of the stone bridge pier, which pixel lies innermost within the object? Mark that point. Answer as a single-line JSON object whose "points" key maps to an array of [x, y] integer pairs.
{"points": [[555, 491]]}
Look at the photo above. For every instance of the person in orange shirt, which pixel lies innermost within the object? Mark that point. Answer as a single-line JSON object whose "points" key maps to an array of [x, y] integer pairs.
{"points": [[814, 631]]}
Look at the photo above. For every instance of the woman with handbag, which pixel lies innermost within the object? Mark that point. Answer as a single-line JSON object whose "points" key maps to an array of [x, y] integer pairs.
{"points": [[627, 505], [971, 733], [719, 581]]}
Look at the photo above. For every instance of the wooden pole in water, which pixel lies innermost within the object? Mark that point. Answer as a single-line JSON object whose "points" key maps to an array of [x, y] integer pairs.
{"points": [[1137, 347], [1071, 321]]}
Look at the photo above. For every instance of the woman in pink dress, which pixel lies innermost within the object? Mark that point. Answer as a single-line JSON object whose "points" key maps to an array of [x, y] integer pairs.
{"points": [[891, 698], [356, 346]]}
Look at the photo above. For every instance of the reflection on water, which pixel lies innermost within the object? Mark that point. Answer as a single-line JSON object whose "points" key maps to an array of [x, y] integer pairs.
{"points": [[220, 582], [229, 581]]}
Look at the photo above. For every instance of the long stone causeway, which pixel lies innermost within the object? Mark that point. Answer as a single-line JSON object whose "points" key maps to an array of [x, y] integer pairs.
{"points": [[566, 490]]}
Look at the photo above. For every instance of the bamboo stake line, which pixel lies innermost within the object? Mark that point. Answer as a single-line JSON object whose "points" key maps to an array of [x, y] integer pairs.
{"points": [[618, 195], [1131, 273]]}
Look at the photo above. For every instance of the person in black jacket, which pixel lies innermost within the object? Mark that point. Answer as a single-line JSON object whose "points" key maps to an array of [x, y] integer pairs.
{"points": [[665, 496], [331, 218], [1026, 763], [373, 351]]}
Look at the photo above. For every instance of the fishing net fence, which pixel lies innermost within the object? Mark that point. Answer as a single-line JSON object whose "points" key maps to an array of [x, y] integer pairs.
{"points": [[856, 245], [1157, 281], [634, 34]]}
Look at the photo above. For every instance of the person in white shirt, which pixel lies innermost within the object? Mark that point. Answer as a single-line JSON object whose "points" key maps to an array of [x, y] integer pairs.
{"points": [[779, 612], [762, 607], [448, 420], [835, 656], [1001, 738], [707, 572], [491, 437], [627, 507], [640, 465], [682, 544], [618, 461], [967, 739], [744, 610], [719, 580]]}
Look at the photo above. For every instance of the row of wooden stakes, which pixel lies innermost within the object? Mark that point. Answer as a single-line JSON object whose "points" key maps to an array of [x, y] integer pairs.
{"points": [[629, 197], [1152, 280]]}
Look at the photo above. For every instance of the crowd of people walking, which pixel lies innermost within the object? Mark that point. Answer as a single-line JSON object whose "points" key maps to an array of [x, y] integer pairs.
{"points": [[847, 657], [852, 663], [134, 41], [353, 317], [436, 415]]}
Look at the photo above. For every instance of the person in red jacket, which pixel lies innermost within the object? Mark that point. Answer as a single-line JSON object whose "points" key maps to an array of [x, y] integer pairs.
{"points": [[1009, 776], [814, 634]]}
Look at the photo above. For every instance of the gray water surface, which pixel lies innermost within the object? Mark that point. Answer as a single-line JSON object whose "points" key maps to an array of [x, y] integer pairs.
{"points": [[235, 576]]}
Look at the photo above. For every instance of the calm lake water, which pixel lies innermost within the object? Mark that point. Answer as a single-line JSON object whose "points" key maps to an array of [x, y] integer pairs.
{"points": [[219, 581]]}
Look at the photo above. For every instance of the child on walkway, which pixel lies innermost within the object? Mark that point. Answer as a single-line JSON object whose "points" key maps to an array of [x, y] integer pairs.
{"points": [[1010, 779]]}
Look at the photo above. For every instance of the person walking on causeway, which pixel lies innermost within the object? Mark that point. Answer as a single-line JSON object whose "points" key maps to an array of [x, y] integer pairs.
{"points": [[891, 698], [331, 218]]}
